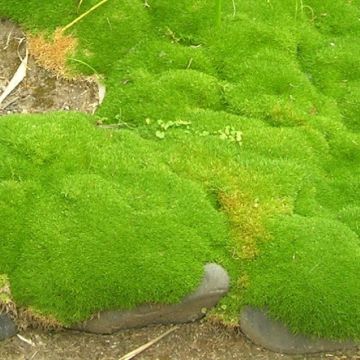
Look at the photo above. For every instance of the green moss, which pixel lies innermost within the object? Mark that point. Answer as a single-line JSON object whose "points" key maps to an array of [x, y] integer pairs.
{"points": [[300, 287], [106, 222], [134, 214], [350, 216], [165, 96]]}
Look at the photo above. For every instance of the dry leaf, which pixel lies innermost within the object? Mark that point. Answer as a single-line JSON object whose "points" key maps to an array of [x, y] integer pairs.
{"points": [[17, 78]]}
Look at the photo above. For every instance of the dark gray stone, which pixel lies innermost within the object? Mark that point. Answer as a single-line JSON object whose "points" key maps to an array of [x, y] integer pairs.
{"points": [[7, 327], [273, 335], [215, 284]]}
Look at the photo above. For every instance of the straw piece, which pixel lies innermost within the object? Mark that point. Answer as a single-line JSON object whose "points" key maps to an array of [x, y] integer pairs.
{"points": [[142, 348], [68, 26]]}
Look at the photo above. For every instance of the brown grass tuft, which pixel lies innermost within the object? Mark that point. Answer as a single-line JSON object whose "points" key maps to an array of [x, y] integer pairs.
{"points": [[245, 215], [222, 323], [24, 318], [52, 54], [31, 318], [7, 304]]}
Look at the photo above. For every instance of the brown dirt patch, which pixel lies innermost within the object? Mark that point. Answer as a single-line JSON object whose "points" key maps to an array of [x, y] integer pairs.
{"points": [[42, 90], [196, 341]]}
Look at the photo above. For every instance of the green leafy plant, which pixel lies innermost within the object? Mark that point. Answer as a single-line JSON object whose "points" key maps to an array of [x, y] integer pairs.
{"points": [[229, 133]]}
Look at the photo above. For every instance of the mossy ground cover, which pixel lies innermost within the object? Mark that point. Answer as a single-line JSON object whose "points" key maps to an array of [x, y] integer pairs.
{"points": [[237, 142]]}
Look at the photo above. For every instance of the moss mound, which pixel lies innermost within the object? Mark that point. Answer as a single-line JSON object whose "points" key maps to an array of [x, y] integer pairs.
{"points": [[296, 272], [251, 123], [90, 221]]}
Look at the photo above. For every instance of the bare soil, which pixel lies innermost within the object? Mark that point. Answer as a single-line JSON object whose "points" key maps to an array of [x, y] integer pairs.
{"points": [[44, 91], [193, 341], [41, 90]]}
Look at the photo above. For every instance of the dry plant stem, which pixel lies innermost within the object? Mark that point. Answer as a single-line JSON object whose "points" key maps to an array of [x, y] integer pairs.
{"points": [[85, 64], [29, 342], [7, 40], [302, 7], [33, 356], [68, 26], [79, 5], [142, 348], [4, 106]]}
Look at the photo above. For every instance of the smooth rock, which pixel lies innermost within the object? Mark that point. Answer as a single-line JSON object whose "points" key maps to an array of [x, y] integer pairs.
{"points": [[7, 327], [275, 336], [213, 287]]}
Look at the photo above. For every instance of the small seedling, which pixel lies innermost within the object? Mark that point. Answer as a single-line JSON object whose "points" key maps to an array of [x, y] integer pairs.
{"points": [[160, 134], [229, 133]]}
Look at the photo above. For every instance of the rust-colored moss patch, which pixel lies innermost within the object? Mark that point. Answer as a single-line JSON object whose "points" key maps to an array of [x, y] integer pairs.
{"points": [[53, 53], [246, 218]]}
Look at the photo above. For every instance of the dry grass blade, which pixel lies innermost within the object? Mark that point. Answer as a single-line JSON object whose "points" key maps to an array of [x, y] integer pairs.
{"points": [[33, 356], [68, 26], [102, 91], [79, 4], [142, 348], [29, 342], [17, 78], [7, 40], [30, 318]]}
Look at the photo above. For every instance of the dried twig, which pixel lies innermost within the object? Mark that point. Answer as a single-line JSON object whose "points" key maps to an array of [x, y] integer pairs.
{"points": [[8, 40], [10, 102], [20, 41], [142, 348], [33, 356], [25, 340]]}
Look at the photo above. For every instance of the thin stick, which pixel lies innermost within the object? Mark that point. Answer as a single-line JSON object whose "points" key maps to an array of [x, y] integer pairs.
{"points": [[142, 348], [3, 107], [35, 353], [25, 340], [8, 40], [68, 26]]}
